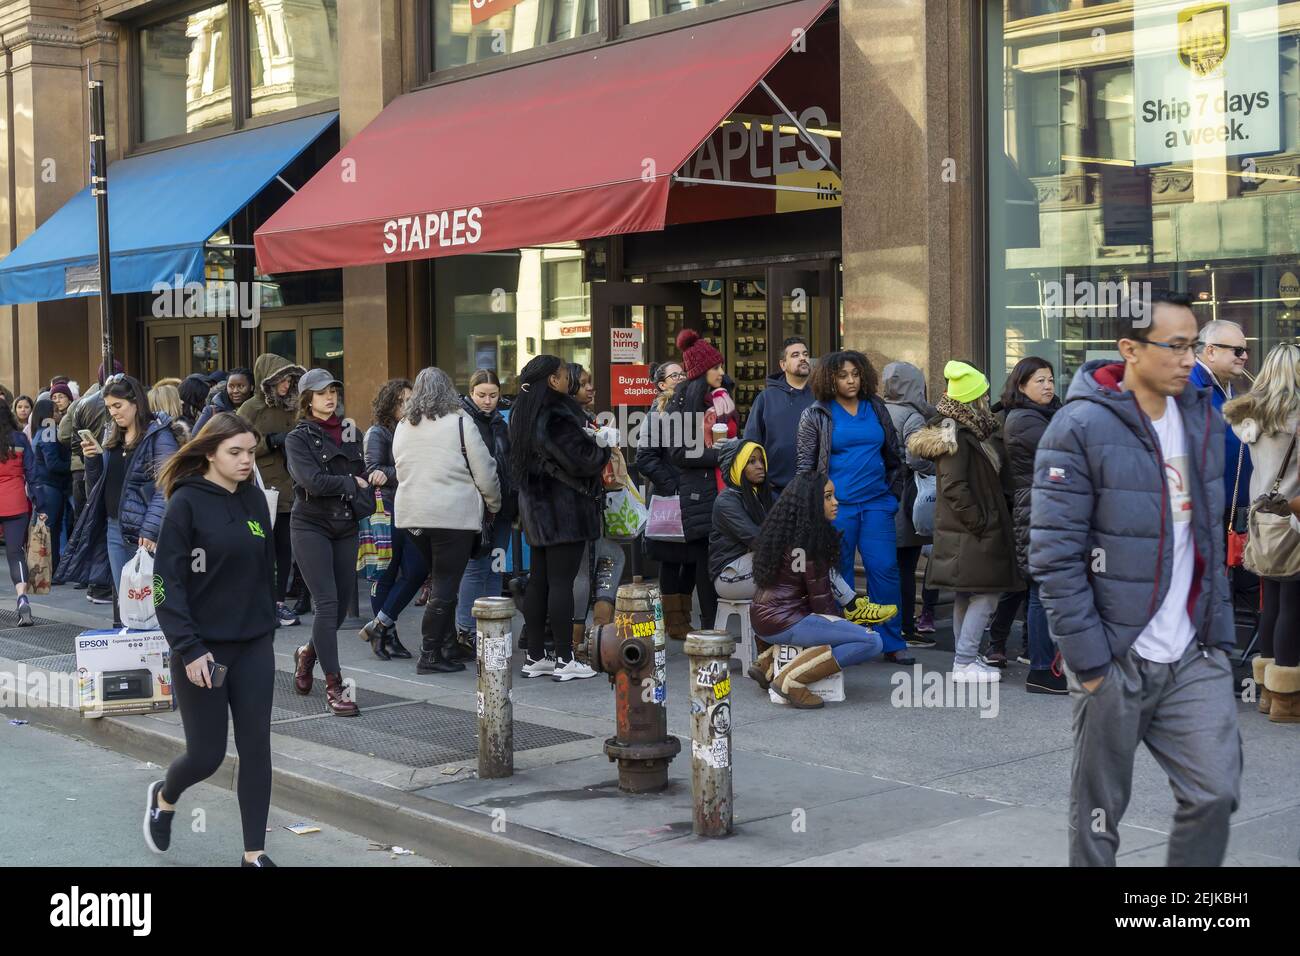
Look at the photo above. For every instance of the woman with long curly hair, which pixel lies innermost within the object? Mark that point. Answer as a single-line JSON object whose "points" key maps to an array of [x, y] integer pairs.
{"points": [[407, 569], [794, 555]]}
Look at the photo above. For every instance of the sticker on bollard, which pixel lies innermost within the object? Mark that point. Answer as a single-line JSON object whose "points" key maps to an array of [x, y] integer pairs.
{"points": [[717, 753], [481, 709], [496, 652]]}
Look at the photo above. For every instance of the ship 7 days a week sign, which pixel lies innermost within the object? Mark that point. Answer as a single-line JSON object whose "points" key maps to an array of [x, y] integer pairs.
{"points": [[1205, 79]]}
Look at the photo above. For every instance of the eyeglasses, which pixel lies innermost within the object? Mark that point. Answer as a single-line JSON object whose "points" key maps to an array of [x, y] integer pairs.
{"points": [[675, 375], [1178, 348], [1240, 351]]}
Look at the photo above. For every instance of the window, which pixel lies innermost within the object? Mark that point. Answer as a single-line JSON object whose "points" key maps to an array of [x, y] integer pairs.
{"points": [[636, 11], [185, 73], [188, 63], [1097, 180], [292, 53], [464, 33]]}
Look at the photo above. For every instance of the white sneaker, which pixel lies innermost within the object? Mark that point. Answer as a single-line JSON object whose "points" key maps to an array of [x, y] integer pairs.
{"points": [[540, 668], [975, 671], [573, 669]]}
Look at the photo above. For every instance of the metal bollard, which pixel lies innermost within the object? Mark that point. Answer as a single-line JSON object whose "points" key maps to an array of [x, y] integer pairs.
{"points": [[710, 687], [496, 728], [632, 651]]}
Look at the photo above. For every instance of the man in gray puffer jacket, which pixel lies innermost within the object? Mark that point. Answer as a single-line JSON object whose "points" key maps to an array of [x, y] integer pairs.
{"points": [[1126, 545]]}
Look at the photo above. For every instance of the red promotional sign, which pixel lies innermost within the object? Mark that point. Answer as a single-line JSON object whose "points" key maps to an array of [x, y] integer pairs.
{"points": [[480, 10], [630, 385]]}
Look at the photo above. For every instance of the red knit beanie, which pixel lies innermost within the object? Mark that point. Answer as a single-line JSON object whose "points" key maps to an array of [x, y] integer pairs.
{"points": [[697, 354]]}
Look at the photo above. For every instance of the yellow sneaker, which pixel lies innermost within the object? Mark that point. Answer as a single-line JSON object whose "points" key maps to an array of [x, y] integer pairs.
{"points": [[865, 613]]}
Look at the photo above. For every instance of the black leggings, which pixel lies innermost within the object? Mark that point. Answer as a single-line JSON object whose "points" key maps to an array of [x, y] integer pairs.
{"points": [[246, 695], [908, 558], [15, 528], [704, 591], [676, 578], [1279, 623], [446, 551], [283, 554], [328, 562], [550, 595]]}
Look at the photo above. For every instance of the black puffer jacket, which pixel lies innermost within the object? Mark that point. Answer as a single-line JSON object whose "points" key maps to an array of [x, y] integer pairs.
{"points": [[561, 502], [496, 435], [324, 486], [1022, 429], [697, 469], [378, 456], [654, 463]]}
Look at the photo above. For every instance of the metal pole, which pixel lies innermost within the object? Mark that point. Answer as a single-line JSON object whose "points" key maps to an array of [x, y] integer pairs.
{"points": [[99, 189], [496, 728], [710, 686]]}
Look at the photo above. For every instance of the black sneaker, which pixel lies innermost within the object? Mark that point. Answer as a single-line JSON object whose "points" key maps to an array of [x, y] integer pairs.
{"points": [[920, 640], [1046, 682], [284, 616], [96, 594], [24, 612], [79, 586], [157, 823], [262, 860]]}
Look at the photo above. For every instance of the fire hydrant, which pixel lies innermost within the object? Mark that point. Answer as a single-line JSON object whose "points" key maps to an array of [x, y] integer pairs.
{"points": [[633, 652]]}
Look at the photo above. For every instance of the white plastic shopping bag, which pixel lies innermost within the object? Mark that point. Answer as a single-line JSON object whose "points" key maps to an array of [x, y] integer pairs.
{"points": [[135, 593]]}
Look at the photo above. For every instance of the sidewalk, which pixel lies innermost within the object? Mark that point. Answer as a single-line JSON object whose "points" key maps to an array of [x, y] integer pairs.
{"points": [[857, 783]]}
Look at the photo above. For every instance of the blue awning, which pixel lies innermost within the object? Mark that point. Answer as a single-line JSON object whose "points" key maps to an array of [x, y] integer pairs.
{"points": [[162, 208]]}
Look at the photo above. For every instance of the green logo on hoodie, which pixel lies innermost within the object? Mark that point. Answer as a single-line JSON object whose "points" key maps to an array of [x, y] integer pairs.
{"points": [[256, 528]]}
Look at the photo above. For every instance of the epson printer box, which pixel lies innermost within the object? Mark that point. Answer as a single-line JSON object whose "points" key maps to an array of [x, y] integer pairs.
{"points": [[124, 672]]}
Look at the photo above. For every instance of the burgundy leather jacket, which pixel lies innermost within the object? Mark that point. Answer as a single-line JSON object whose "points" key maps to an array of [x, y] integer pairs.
{"points": [[793, 597]]}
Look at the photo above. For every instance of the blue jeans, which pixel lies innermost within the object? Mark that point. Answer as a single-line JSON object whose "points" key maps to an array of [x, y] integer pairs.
{"points": [[401, 579], [55, 509], [872, 533], [118, 552], [479, 580], [1042, 649], [849, 643]]}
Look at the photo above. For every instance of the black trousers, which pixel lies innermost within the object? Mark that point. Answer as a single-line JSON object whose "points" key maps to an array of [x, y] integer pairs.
{"points": [[1005, 616], [908, 558], [676, 578], [283, 553], [708, 597], [550, 595], [327, 557], [246, 696], [446, 553], [1279, 623]]}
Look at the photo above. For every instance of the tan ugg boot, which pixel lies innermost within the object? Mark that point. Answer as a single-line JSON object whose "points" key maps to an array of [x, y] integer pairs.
{"points": [[602, 613], [761, 670], [811, 665], [1257, 665], [677, 615], [1283, 685]]}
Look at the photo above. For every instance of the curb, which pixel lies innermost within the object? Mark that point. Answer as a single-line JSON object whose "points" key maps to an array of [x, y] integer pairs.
{"points": [[438, 830]]}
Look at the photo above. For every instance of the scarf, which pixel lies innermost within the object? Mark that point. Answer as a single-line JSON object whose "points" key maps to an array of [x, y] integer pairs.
{"points": [[332, 427], [978, 420]]}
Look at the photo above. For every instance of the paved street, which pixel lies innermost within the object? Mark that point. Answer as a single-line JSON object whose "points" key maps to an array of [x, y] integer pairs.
{"points": [[82, 805]]}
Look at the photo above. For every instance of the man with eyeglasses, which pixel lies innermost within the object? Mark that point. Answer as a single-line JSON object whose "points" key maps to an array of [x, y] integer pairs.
{"points": [[1127, 548], [1221, 357]]}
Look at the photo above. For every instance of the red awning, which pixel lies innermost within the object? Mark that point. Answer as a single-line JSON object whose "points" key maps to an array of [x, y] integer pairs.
{"points": [[580, 146]]}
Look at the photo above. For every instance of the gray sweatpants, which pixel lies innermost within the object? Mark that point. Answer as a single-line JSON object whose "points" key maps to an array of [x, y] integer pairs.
{"points": [[1186, 714]]}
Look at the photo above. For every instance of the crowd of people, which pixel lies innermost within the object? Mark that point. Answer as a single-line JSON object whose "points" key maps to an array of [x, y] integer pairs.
{"points": [[1108, 517]]}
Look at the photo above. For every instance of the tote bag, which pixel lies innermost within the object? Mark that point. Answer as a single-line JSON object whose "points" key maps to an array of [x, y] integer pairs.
{"points": [[135, 593], [665, 521], [1272, 546], [272, 494], [625, 514], [923, 509], [38, 557], [375, 541]]}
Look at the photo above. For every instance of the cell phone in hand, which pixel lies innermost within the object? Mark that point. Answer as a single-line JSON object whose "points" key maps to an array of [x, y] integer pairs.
{"points": [[217, 673], [86, 435]]}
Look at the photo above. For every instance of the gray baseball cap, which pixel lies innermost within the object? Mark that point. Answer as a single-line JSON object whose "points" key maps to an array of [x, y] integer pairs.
{"points": [[317, 380]]}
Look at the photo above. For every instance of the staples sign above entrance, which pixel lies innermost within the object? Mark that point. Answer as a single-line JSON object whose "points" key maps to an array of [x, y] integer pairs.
{"points": [[451, 227]]}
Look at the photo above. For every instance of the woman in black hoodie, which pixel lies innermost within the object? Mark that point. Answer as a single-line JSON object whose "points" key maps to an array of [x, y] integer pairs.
{"points": [[214, 593]]}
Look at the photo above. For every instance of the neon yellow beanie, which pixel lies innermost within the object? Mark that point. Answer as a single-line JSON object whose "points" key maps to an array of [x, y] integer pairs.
{"points": [[965, 382]]}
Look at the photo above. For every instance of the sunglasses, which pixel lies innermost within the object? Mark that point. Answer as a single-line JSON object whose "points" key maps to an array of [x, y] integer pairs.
{"points": [[1240, 351]]}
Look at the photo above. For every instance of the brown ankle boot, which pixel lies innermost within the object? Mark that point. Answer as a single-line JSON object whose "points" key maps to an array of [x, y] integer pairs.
{"points": [[677, 615], [1257, 666], [1283, 685], [811, 665], [761, 670], [304, 659], [336, 695], [602, 613]]}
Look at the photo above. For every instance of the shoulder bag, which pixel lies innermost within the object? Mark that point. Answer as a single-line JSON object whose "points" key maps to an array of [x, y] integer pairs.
{"points": [[1236, 539], [1272, 546]]}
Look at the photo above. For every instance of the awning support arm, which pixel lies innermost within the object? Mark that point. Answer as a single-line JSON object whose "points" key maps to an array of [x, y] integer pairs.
{"points": [[802, 129], [286, 185], [729, 182]]}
